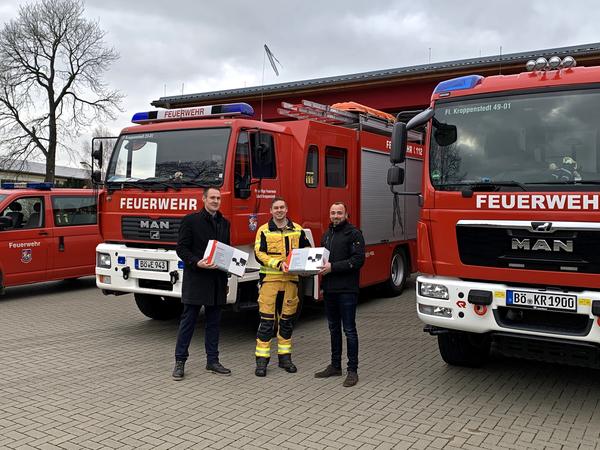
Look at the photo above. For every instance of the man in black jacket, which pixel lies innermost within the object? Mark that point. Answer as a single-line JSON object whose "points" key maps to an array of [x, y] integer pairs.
{"points": [[340, 288], [203, 284]]}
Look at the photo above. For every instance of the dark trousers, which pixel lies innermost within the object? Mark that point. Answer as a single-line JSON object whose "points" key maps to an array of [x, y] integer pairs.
{"points": [[212, 315], [341, 312]]}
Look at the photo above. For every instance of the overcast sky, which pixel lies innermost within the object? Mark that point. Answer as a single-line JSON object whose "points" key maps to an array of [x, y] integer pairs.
{"points": [[206, 46]]}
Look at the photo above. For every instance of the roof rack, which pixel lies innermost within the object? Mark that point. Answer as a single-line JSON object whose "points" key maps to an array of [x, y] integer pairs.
{"points": [[360, 119]]}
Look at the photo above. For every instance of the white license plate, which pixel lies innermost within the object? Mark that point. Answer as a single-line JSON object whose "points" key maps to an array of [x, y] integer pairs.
{"points": [[155, 265], [540, 300]]}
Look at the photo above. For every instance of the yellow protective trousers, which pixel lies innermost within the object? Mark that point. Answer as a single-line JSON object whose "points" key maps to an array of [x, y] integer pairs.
{"points": [[267, 300]]}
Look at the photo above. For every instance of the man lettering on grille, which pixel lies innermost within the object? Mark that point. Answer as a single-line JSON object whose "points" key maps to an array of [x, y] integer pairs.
{"points": [[274, 242], [203, 284], [341, 276]]}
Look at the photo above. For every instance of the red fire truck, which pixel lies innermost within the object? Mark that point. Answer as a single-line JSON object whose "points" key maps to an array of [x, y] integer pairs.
{"points": [[46, 233], [159, 168], [510, 227]]}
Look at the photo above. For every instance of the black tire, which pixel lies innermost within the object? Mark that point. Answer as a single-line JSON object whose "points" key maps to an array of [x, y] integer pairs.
{"points": [[464, 349], [399, 272], [158, 307]]}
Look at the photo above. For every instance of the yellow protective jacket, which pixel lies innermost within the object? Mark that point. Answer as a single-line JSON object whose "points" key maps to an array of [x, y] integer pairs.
{"points": [[272, 247]]}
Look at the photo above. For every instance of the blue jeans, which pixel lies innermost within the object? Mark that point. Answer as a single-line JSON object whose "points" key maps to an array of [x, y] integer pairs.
{"points": [[341, 312], [187, 325]]}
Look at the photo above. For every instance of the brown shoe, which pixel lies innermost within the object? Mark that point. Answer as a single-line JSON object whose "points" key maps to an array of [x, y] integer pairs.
{"points": [[351, 379], [329, 371]]}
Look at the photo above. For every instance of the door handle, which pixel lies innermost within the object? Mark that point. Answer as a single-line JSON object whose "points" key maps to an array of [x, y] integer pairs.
{"points": [[61, 243], [43, 233]]}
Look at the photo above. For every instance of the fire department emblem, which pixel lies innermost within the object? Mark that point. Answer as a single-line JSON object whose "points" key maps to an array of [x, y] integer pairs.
{"points": [[26, 255], [252, 222]]}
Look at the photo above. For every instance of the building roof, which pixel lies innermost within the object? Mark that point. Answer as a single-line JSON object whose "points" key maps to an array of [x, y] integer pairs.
{"points": [[40, 169], [512, 59]]}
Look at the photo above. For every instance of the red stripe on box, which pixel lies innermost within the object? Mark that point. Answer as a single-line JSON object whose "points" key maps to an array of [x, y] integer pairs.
{"points": [[212, 252]]}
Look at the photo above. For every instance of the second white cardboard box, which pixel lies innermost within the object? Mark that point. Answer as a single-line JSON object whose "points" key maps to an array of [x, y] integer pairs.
{"points": [[307, 261], [228, 259]]}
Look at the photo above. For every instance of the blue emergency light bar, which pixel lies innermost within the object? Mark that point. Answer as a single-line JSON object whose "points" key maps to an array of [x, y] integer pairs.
{"points": [[458, 84], [196, 112], [23, 185]]}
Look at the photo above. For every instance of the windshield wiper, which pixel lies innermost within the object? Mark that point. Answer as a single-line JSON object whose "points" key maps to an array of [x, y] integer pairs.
{"points": [[197, 181], [483, 186], [127, 183], [570, 182]]}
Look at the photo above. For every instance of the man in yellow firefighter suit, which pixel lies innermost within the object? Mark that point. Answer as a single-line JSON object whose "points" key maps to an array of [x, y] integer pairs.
{"points": [[274, 242]]}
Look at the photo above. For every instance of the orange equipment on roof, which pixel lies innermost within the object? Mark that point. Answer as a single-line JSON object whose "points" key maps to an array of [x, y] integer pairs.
{"points": [[357, 107]]}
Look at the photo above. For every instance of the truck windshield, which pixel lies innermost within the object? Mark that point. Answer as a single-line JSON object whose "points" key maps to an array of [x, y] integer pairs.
{"points": [[194, 156], [520, 142]]}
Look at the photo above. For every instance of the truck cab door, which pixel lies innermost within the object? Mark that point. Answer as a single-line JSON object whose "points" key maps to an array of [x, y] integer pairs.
{"points": [[24, 239], [255, 182]]}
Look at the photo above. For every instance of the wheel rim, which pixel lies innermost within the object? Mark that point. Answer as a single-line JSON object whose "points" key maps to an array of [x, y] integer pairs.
{"points": [[397, 270]]}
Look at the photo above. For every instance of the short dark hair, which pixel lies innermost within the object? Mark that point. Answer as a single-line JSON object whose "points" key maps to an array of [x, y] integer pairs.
{"points": [[278, 199], [340, 203], [208, 188]]}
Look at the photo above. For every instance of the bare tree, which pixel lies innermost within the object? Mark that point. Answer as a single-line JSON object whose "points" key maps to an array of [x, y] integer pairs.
{"points": [[51, 64]]}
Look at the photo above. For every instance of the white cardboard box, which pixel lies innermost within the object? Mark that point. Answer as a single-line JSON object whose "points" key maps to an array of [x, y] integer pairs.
{"points": [[307, 261], [228, 259]]}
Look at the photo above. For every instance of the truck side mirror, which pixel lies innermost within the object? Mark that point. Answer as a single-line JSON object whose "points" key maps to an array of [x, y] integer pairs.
{"points": [[97, 176], [395, 176], [97, 155], [399, 139]]}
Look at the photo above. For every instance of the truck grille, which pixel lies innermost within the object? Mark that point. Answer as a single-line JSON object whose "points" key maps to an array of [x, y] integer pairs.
{"points": [[163, 229], [495, 247]]}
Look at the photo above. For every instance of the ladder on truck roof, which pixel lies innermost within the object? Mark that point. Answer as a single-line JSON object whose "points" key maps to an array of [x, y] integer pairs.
{"points": [[355, 118]]}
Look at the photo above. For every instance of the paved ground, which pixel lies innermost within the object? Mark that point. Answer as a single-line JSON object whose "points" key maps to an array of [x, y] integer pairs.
{"points": [[80, 370]]}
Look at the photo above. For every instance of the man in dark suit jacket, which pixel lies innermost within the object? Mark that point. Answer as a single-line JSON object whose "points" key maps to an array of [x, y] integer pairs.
{"points": [[203, 284]]}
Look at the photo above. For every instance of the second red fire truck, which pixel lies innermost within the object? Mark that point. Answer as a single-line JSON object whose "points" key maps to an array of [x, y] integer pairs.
{"points": [[509, 235], [160, 166]]}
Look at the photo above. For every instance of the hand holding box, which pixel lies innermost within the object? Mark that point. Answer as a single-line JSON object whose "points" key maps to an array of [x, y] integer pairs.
{"points": [[307, 261], [226, 258]]}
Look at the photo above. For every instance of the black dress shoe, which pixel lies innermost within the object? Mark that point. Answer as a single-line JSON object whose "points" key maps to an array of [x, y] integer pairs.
{"points": [[351, 379], [178, 370], [329, 371], [218, 369]]}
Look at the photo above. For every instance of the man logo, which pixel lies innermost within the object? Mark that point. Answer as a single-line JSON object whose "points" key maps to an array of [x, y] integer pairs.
{"points": [[154, 224], [541, 227], [553, 245], [155, 235]]}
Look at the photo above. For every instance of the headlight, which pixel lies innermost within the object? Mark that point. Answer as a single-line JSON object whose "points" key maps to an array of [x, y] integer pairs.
{"points": [[439, 311], [434, 291], [103, 260]]}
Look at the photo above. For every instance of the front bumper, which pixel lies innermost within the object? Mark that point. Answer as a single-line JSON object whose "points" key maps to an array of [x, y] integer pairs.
{"points": [[457, 313], [123, 277]]}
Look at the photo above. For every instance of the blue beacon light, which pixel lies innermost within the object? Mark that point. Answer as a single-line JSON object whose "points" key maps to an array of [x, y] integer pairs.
{"points": [[458, 84]]}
